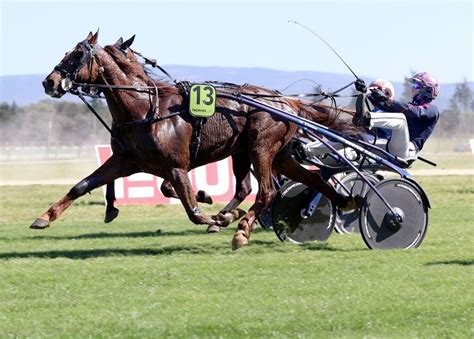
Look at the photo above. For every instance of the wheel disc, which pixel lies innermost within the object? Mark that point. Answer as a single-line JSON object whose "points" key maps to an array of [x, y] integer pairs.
{"points": [[375, 218], [289, 222]]}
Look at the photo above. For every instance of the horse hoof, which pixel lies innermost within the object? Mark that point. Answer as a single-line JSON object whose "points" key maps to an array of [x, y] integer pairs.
{"points": [[221, 220], [239, 240], [213, 229], [237, 213], [226, 218], [204, 197], [39, 224], [354, 203], [111, 215]]}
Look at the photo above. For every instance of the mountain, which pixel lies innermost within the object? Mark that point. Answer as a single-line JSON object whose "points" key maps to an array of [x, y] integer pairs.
{"points": [[27, 89]]}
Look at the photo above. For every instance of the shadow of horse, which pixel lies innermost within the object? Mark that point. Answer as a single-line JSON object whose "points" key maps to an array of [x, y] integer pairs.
{"points": [[111, 252], [105, 235], [461, 262]]}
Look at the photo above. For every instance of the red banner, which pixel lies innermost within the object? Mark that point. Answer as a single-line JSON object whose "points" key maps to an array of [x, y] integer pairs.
{"points": [[217, 179]]}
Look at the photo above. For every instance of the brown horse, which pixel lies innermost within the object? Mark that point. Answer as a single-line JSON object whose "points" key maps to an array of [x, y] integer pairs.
{"points": [[153, 132]]}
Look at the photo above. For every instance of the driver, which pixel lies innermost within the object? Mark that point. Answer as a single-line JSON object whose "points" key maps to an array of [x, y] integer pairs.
{"points": [[410, 123]]}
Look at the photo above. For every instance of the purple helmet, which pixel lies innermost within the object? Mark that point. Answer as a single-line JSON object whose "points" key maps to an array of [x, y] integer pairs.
{"points": [[428, 87]]}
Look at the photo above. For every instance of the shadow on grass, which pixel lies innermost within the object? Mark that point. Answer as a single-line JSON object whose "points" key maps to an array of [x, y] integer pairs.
{"points": [[462, 262], [163, 251], [314, 246], [105, 235], [110, 252], [324, 246]]}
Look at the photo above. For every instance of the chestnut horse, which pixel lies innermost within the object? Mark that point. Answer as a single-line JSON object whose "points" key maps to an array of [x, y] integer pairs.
{"points": [[153, 133]]}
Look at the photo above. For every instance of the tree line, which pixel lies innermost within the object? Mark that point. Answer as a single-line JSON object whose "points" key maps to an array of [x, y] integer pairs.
{"points": [[64, 123]]}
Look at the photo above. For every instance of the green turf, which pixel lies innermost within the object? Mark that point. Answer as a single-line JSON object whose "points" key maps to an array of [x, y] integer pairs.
{"points": [[151, 273]]}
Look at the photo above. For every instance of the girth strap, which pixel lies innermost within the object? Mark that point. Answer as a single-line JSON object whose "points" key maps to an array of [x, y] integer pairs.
{"points": [[196, 136]]}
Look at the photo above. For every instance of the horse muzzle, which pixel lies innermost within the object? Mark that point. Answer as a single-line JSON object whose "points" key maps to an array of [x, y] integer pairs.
{"points": [[53, 88]]}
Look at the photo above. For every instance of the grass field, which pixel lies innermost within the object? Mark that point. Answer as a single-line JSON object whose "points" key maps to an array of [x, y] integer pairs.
{"points": [[151, 273]]}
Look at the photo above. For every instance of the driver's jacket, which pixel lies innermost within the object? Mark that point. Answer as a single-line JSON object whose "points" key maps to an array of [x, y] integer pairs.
{"points": [[421, 119]]}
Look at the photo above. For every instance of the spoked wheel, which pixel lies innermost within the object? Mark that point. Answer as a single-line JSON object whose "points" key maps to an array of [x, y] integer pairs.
{"points": [[348, 222], [380, 229], [291, 220]]}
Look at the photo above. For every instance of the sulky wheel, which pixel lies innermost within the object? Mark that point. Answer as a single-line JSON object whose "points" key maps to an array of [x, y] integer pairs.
{"points": [[380, 229], [348, 222], [265, 218], [291, 219]]}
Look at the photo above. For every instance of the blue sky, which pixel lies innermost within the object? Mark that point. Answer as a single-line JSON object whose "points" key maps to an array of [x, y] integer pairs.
{"points": [[379, 39]]}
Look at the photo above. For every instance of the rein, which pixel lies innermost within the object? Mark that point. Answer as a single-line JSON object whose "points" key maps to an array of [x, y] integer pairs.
{"points": [[136, 88], [89, 54]]}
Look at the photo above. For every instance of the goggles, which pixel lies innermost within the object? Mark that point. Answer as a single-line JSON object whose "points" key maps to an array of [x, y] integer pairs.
{"points": [[416, 85]]}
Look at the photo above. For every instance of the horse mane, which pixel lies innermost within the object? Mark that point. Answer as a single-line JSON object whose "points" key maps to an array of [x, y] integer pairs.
{"points": [[327, 116], [129, 64]]}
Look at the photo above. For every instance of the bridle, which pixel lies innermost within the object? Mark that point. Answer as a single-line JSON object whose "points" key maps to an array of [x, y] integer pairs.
{"points": [[71, 68]]}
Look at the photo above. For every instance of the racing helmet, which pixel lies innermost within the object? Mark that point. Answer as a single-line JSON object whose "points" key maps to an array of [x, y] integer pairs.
{"points": [[427, 85], [385, 86]]}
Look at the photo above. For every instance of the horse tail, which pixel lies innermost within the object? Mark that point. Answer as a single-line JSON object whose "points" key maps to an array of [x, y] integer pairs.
{"points": [[325, 115]]}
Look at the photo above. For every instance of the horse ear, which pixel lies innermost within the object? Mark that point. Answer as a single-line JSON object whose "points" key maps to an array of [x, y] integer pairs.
{"points": [[119, 42], [127, 43], [93, 39], [89, 36]]}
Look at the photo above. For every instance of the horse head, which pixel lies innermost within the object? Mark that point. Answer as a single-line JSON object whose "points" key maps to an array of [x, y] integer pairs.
{"points": [[72, 68]]}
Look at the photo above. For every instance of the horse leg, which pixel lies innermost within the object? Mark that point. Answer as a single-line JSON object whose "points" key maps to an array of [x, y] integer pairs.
{"points": [[166, 188], [286, 165], [201, 196], [169, 192], [111, 211], [182, 186], [112, 169], [241, 168], [262, 161]]}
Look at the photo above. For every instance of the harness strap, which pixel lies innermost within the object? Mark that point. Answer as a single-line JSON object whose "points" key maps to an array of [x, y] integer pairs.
{"points": [[136, 88], [196, 137], [154, 63], [150, 120], [94, 112]]}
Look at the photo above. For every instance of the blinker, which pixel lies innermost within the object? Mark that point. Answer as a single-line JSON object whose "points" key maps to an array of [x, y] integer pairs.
{"points": [[66, 84]]}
